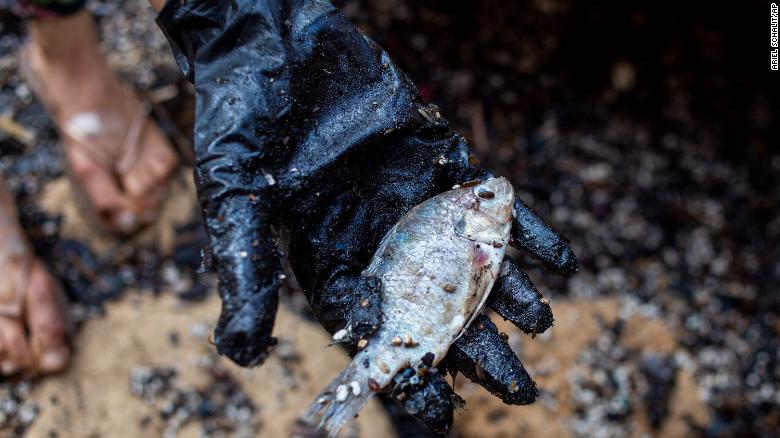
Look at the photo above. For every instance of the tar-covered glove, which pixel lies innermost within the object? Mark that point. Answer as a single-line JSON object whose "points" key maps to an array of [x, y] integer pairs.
{"points": [[304, 124]]}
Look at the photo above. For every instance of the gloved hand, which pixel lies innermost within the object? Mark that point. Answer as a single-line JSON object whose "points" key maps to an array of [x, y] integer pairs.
{"points": [[304, 124]]}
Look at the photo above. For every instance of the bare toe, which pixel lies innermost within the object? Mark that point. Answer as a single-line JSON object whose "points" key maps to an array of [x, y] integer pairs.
{"points": [[47, 321], [114, 208], [16, 353]]}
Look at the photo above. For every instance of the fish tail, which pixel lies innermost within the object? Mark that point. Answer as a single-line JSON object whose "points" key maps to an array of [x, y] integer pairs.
{"points": [[341, 400]]}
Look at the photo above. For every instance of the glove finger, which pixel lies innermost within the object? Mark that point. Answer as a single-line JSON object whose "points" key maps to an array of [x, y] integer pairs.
{"points": [[425, 395], [516, 299], [249, 273], [484, 356], [529, 231], [349, 305]]}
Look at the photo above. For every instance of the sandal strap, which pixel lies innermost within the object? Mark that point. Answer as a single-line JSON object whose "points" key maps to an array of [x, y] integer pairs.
{"points": [[131, 147], [80, 129], [84, 127]]}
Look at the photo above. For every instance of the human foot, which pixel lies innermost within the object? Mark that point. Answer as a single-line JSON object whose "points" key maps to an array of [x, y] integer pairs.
{"points": [[116, 154], [34, 326]]}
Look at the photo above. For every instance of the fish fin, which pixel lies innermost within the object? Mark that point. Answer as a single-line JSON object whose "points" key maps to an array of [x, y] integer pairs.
{"points": [[330, 414]]}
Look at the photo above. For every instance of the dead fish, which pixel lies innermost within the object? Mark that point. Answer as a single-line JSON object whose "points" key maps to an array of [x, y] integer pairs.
{"points": [[437, 266]]}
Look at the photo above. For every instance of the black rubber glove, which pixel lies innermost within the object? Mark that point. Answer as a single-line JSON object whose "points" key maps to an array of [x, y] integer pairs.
{"points": [[304, 124]]}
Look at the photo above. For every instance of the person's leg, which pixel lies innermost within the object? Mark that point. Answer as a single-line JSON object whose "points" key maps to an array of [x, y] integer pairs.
{"points": [[33, 322], [70, 75], [83, 93]]}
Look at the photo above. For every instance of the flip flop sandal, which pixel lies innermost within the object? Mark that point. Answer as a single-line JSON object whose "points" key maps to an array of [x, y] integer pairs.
{"points": [[85, 130]]}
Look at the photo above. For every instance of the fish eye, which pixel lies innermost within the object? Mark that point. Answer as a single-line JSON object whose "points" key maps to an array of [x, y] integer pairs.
{"points": [[486, 194]]}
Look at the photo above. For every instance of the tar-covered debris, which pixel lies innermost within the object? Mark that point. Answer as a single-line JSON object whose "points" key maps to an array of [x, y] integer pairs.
{"points": [[601, 389], [219, 408], [16, 412], [611, 383], [660, 373], [289, 358]]}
